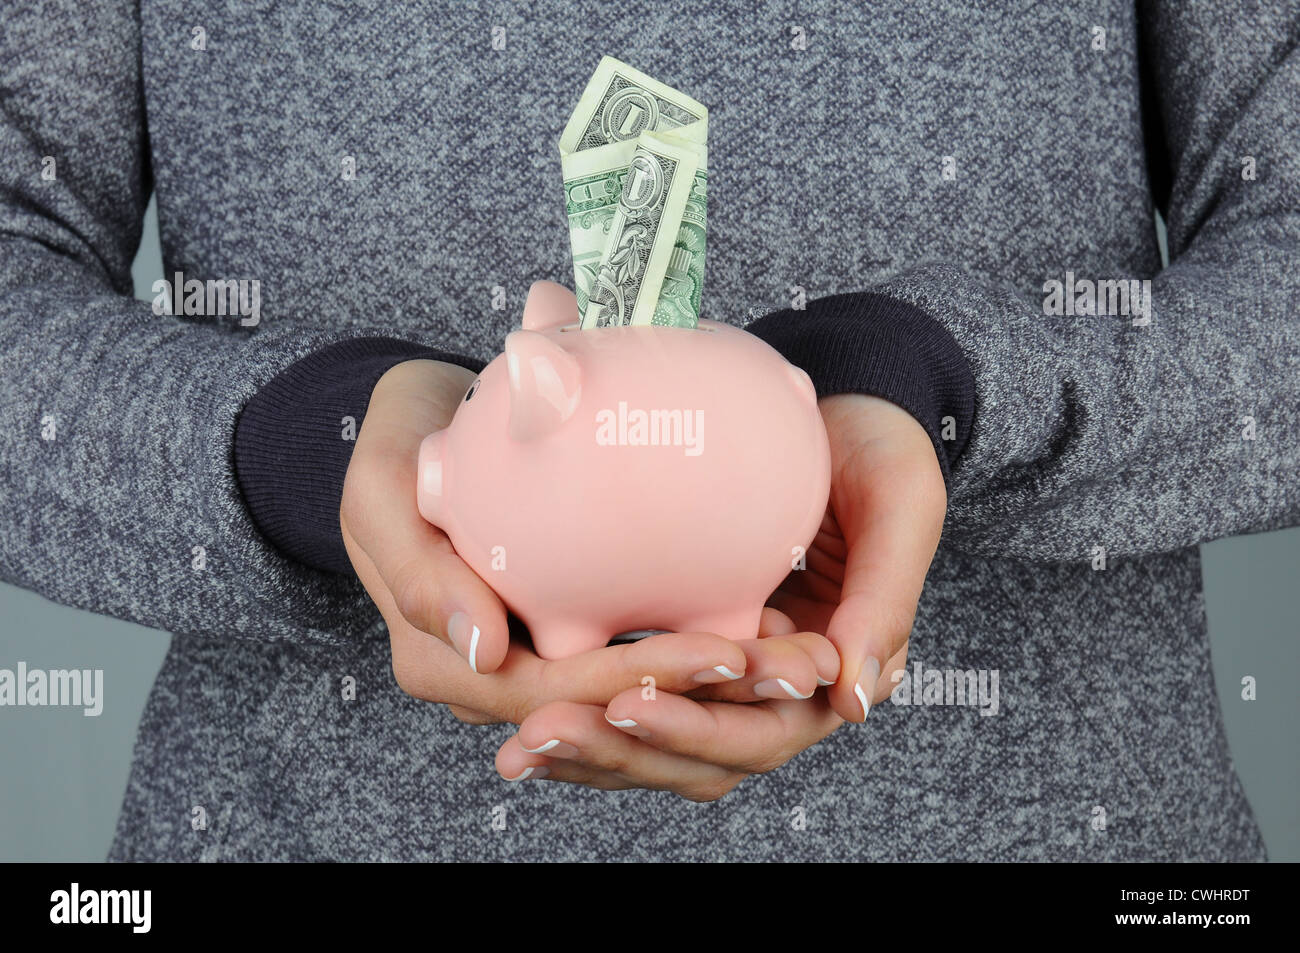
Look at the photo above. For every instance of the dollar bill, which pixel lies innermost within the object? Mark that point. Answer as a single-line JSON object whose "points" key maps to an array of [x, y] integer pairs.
{"points": [[643, 233], [634, 161], [683, 282], [593, 182], [620, 103]]}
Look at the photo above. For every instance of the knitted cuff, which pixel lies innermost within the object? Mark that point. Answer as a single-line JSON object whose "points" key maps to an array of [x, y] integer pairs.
{"points": [[293, 444], [868, 343]]}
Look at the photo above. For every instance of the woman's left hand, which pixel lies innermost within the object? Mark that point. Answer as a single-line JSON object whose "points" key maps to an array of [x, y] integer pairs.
{"points": [[864, 576], [868, 563]]}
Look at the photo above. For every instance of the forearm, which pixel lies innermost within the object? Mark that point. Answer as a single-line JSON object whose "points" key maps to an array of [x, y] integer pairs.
{"points": [[1095, 432], [1091, 431], [116, 429], [115, 423]]}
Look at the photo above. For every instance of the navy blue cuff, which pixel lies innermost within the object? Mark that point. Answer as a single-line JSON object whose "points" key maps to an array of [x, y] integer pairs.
{"points": [[292, 453], [868, 343]]}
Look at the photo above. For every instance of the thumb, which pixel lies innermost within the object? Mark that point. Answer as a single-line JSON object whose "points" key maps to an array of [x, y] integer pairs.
{"points": [[890, 546], [424, 581], [413, 562]]}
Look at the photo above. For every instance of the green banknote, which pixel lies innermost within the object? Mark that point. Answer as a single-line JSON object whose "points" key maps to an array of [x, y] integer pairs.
{"points": [[634, 159]]}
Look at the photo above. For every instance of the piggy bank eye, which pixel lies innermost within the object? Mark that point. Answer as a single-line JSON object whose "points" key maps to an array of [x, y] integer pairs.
{"points": [[472, 388]]}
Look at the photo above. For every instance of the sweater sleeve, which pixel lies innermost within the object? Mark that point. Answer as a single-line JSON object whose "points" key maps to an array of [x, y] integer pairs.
{"points": [[1151, 432], [294, 440], [116, 424]]}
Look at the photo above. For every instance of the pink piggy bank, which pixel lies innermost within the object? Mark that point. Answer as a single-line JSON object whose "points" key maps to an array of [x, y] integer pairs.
{"points": [[629, 478]]}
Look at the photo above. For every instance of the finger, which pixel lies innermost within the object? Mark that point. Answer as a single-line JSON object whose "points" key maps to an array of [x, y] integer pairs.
{"points": [[885, 686], [751, 739], [829, 539], [824, 573], [809, 584], [515, 765], [545, 300], [774, 622], [523, 682], [480, 655], [810, 614], [785, 667], [589, 743], [430, 586], [820, 578], [424, 667], [669, 661], [892, 539], [825, 658], [828, 549]]}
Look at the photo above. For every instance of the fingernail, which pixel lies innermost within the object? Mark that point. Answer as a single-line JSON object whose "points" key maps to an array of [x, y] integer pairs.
{"points": [[628, 725], [865, 686], [464, 635], [778, 688], [534, 771], [719, 673], [555, 748], [822, 682]]}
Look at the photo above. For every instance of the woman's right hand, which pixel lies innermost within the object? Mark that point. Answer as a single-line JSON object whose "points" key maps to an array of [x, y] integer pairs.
{"points": [[407, 565]]}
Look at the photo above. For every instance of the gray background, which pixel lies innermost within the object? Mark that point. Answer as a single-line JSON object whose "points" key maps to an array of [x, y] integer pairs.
{"points": [[63, 775]]}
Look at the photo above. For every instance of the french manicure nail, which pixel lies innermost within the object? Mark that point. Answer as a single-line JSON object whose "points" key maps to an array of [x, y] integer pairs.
{"points": [[719, 673], [822, 682], [555, 748], [533, 771], [778, 688], [629, 725], [464, 636], [865, 686]]}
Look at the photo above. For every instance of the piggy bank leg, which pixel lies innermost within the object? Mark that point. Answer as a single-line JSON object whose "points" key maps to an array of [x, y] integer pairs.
{"points": [[736, 624], [559, 639]]}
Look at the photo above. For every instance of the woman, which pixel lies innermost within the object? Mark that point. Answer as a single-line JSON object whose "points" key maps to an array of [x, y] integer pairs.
{"points": [[920, 172]]}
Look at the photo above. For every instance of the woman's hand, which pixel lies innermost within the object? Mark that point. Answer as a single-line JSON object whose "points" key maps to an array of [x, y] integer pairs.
{"points": [[869, 561], [698, 746], [407, 565], [446, 627]]}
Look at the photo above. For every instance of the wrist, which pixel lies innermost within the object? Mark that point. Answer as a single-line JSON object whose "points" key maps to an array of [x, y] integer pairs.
{"points": [[872, 344], [897, 439], [439, 386], [295, 437]]}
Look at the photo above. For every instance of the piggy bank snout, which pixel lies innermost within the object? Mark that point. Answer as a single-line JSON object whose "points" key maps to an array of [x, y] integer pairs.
{"points": [[429, 477]]}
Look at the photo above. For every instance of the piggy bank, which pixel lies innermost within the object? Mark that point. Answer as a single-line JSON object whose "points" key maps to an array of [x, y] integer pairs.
{"points": [[622, 479]]}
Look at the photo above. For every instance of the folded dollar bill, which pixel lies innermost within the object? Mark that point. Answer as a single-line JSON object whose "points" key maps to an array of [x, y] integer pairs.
{"points": [[634, 158]]}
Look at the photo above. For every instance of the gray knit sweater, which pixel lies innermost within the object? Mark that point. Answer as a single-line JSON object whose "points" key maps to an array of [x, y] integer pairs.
{"points": [[956, 156]]}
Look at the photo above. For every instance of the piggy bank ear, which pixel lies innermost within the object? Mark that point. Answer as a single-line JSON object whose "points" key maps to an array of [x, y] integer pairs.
{"points": [[549, 305], [545, 383]]}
